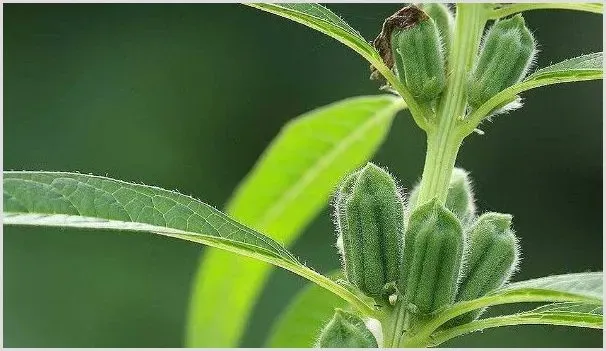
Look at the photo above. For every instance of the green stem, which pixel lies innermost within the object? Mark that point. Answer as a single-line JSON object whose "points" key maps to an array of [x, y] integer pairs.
{"points": [[443, 142], [442, 150]]}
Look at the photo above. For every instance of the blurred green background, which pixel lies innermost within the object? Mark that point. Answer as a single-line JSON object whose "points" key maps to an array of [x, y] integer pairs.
{"points": [[187, 96]]}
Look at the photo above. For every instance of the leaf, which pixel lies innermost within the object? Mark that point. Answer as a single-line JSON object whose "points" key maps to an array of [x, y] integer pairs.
{"points": [[505, 10], [84, 201], [578, 286], [582, 68], [320, 18], [61, 199], [568, 307], [565, 314], [323, 20], [583, 288], [289, 185], [294, 177], [301, 321], [575, 69]]}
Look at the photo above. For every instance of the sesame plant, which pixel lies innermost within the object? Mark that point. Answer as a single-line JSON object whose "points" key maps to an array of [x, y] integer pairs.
{"points": [[419, 267]]}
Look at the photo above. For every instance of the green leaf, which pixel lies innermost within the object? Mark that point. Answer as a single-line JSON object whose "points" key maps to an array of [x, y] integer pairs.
{"points": [[584, 288], [582, 68], [61, 199], [566, 314], [301, 321], [505, 10], [289, 185], [320, 18], [85, 201], [585, 67]]}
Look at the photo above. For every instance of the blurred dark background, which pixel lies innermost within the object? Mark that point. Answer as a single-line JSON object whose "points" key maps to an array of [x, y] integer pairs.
{"points": [[187, 96]]}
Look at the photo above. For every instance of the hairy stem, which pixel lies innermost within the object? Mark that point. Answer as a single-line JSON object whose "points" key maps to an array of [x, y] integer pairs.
{"points": [[443, 143]]}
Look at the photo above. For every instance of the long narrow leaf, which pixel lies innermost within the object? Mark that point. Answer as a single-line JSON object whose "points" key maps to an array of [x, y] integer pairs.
{"points": [[584, 288], [505, 10], [83, 201], [565, 314], [582, 68], [322, 19], [61, 199], [289, 185]]}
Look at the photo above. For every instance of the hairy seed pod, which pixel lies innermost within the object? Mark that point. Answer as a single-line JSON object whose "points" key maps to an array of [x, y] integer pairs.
{"points": [[507, 52], [460, 199], [444, 19], [491, 259], [418, 56], [433, 250], [369, 213], [346, 330]]}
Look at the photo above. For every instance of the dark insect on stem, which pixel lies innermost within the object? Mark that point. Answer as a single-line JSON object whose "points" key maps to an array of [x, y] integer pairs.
{"points": [[404, 18]]}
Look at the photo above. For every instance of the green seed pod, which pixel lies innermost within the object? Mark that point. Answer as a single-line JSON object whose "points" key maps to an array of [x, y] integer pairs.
{"points": [[507, 52], [433, 250], [444, 19], [459, 200], [369, 214], [418, 55], [491, 259], [346, 330]]}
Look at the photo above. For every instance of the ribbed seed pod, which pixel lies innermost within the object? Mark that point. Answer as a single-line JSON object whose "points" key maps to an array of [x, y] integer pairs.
{"points": [[418, 56], [433, 250], [507, 52], [444, 19], [491, 259], [346, 330], [369, 211], [460, 199]]}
